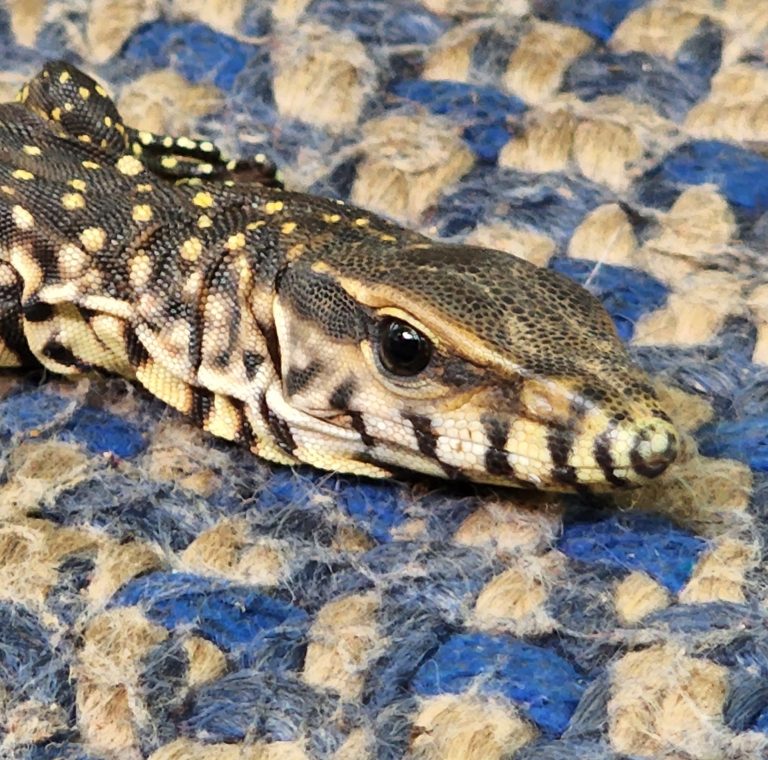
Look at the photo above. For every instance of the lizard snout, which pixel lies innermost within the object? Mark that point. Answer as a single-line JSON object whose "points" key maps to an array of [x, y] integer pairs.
{"points": [[654, 448]]}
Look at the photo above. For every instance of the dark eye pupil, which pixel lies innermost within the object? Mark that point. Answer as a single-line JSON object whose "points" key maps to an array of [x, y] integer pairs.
{"points": [[403, 350]]}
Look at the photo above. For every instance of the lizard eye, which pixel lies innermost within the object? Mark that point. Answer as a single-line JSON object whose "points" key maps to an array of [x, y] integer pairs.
{"points": [[403, 350]]}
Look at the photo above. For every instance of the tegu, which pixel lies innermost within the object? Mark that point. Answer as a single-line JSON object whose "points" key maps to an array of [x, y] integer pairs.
{"points": [[306, 329]]}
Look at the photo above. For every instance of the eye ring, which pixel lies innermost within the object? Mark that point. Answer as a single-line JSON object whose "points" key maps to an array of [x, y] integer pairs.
{"points": [[403, 350]]}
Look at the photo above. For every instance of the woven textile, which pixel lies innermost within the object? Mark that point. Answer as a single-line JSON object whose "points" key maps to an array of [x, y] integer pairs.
{"points": [[165, 595]]}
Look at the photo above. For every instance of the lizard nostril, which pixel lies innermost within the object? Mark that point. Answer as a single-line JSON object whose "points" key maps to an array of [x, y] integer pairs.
{"points": [[655, 448]]}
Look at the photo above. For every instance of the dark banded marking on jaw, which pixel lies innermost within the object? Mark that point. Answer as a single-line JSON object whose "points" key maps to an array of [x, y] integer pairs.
{"points": [[358, 425], [496, 459], [339, 399], [278, 427], [603, 456], [297, 379], [427, 439], [342, 395], [560, 443]]}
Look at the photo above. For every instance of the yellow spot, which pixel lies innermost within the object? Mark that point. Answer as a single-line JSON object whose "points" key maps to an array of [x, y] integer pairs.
{"points": [[32, 150], [68, 107], [203, 199], [24, 94], [22, 174], [260, 158], [22, 218], [235, 241], [207, 146], [120, 128], [204, 221], [108, 121], [64, 77], [362, 222], [205, 168], [255, 225], [146, 138], [295, 251], [331, 218], [78, 184], [191, 249], [169, 162], [272, 207], [73, 262], [186, 143], [84, 138], [387, 238], [56, 114], [167, 141], [91, 165], [84, 92], [129, 165], [72, 201], [99, 89], [8, 190], [144, 188], [288, 228], [140, 269], [93, 238], [136, 149], [231, 164], [141, 213]]}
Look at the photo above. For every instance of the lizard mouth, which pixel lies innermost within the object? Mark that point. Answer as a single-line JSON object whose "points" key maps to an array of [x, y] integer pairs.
{"points": [[622, 456]]}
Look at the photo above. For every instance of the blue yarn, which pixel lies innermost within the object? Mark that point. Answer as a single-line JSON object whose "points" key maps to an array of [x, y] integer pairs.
{"points": [[596, 17], [131, 510], [542, 684], [552, 204], [241, 620], [254, 704], [31, 666], [377, 506], [626, 293], [380, 22], [199, 53], [101, 432], [627, 543], [740, 174], [745, 440], [29, 410], [638, 77], [483, 111]]}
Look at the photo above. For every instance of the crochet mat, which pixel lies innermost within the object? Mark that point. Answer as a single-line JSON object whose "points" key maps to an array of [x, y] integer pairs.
{"points": [[165, 595]]}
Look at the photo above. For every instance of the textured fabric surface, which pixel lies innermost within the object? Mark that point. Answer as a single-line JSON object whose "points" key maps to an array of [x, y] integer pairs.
{"points": [[167, 596]]}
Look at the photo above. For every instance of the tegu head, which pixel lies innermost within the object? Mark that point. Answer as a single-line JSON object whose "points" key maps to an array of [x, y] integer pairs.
{"points": [[462, 362]]}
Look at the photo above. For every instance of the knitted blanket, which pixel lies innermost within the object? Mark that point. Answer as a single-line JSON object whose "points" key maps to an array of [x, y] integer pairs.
{"points": [[166, 595]]}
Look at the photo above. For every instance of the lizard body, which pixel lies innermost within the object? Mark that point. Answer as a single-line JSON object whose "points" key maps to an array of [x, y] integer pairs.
{"points": [[308, 330]]}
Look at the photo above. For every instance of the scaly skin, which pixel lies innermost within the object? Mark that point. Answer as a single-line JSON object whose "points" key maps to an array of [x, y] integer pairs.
{"points": [[306, 329]]}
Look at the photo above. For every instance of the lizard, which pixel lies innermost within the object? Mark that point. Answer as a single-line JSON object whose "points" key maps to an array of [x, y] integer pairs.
{"points": [[311, 331]]}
